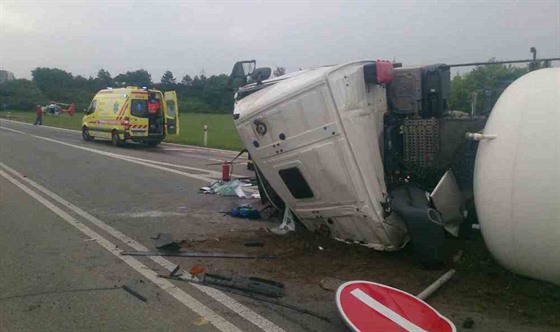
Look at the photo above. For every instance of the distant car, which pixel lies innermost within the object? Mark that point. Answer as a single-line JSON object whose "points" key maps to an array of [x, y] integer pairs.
{"points": [[140, 115]]}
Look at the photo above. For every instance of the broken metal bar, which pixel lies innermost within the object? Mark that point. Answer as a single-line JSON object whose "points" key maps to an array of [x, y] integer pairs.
{"points": [[271, 301], [194, 254], [436, 285], [499, 62], [134, 293]]}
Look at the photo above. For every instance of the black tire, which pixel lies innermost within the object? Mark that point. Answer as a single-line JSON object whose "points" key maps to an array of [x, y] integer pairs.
{"points": [[85, 135], [115, 139]]}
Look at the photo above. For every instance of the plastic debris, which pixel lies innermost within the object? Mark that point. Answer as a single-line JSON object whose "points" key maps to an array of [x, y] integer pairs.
{"points": [[288, 224], [225, 188], [197, 270], [245, 212]]}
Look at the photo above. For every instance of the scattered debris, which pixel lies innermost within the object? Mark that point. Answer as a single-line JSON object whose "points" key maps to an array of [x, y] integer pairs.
{"points": [[278, 303], [253, 244], [458, 256], [194, 254], [175, 270], [468, 323], [274, 301], [255, 285], [320, 248], [258, 196], [200, 321], [225, 188], [134, 293], [245, 212], [330, 284], [288, 224], [164, 241], [196, 270], [436, 285]]}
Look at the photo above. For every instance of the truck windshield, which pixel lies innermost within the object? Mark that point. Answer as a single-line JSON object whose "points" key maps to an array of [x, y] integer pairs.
{"points": [[139, 108]]}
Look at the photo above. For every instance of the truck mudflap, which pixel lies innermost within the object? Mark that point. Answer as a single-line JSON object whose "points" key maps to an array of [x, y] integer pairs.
{"points": [[422, 222]]}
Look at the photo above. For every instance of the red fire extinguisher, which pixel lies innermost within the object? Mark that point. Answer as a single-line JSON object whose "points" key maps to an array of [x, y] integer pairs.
{"points": [[226, 171]]}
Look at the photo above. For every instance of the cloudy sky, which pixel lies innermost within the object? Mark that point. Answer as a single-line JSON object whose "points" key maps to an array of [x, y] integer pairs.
{"points": [[194, 37]]}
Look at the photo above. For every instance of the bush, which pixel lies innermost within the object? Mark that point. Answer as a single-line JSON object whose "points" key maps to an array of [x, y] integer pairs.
{"points": [[21, 95]]}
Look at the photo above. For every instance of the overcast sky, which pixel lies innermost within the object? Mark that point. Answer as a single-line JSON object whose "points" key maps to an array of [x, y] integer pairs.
{"points": [[192, 37]]}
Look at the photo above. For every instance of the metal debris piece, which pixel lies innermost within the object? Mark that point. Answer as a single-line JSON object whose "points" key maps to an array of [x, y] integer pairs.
{"points": [[134, 293], [253, 244], [175, 270], [165, 242], [194, 254], [436, 285], [288, 224], [274, 301], [254, 285]]}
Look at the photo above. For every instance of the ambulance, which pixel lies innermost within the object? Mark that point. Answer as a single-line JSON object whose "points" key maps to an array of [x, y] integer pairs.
{"points": [[131, 114]]}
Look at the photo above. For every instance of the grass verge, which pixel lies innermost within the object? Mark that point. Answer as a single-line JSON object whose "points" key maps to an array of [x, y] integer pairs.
{"points": [[221, 130]]}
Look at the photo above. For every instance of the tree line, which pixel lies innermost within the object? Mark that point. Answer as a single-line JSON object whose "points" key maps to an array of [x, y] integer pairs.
{"points": [[203, 94], [196, 94]]}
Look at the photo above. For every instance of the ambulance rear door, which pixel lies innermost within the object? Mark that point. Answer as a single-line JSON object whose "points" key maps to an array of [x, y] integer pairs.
{"points": [[171, 113]]}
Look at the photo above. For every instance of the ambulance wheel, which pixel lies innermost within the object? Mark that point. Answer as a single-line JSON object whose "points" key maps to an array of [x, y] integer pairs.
{"points": [[85, 135], [115, 139]]}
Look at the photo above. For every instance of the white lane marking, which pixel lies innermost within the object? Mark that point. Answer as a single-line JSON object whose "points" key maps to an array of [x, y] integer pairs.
{"points": [[194, 147], [385, 311], [141, 161], [42, 126], [212, 173], [219, 322], [217, 295]]}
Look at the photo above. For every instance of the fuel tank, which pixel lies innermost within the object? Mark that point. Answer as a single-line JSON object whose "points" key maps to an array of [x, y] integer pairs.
{"points": [[316, 139], [517, 177]]}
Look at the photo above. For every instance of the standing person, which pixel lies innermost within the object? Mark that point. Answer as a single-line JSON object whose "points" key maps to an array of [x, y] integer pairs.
{"points": [[39, 118], [153, 110]]}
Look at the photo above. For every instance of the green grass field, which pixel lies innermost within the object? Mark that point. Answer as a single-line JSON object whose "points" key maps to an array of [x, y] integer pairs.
{"points": [[221, 130]]}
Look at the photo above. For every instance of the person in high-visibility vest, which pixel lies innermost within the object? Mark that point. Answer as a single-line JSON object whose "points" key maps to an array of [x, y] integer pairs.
{"points": [[153, 110]]}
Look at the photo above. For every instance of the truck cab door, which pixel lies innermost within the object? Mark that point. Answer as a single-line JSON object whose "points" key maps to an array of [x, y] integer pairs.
{"points": [[171, 113]]}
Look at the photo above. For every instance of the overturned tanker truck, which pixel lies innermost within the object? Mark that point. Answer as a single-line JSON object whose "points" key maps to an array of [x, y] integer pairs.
{"points": [[366, 152]]}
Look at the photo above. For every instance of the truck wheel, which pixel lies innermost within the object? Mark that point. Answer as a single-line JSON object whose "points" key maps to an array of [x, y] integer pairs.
{"points": [[85, 135], [115, 139]]}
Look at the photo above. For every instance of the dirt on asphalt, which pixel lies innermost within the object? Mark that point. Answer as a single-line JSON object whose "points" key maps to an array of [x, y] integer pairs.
{"points": [[481, 294]]}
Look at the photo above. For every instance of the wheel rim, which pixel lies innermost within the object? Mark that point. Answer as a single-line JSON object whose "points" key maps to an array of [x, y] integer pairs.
{"points": [[115, 139], [85, 134]]}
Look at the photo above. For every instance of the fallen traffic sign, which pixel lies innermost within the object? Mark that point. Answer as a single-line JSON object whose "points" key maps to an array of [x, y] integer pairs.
{"points": [[371, 307]]}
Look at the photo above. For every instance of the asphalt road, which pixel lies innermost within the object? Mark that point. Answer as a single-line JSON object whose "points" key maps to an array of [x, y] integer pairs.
{"points": [[67, 210]]}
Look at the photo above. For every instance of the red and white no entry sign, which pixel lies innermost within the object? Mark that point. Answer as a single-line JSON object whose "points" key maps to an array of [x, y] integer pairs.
{"points": [[371, 307]]}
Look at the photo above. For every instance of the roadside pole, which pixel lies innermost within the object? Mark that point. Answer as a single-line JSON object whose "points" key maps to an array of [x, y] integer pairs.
{"points": [[205, 135]]}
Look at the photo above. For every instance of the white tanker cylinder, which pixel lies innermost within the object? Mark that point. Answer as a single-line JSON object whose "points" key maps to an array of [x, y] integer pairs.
{"points": [[517, 177]]}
